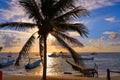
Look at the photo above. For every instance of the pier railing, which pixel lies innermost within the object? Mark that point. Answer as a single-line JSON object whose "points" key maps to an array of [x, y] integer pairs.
{"points": [[1, 75], [110, 71]]}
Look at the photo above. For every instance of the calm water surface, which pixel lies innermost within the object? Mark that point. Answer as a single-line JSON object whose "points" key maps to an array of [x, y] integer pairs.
{"points": [[57, 65]]}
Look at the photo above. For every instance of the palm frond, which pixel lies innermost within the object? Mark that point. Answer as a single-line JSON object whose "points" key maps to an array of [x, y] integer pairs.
{"points": [[25, 50], [62, 6], [17, 25], [69, 39], [47, 7], [32, 10], [80, 28], [73, 53], [74, 13]]}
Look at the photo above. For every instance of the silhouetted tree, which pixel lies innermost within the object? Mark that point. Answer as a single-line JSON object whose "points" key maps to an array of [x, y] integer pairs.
{"points": [[51, 17]]}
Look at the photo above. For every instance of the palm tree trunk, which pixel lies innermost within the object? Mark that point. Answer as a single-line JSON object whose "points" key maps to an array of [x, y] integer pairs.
{"points": [[17, 61], [40, 48], [45, 59]]}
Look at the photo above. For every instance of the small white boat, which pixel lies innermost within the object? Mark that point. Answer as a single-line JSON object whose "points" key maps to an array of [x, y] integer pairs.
{"points": [[54, 55]]}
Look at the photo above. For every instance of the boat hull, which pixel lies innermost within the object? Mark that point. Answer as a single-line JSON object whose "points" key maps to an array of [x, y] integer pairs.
{"points": [[7, 63], [33, 65]]}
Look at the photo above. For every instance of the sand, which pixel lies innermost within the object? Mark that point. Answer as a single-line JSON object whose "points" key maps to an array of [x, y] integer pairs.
{"points": [[30, 77]]}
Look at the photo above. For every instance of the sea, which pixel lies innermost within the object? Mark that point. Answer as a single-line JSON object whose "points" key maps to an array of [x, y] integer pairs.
{"points": [[58, 65]]}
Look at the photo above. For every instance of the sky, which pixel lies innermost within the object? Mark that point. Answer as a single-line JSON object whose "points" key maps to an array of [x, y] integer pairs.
{"points": [[103, 24]]}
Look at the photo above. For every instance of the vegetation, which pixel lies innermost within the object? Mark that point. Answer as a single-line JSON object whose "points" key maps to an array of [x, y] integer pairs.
{"points": [[50, 17]]}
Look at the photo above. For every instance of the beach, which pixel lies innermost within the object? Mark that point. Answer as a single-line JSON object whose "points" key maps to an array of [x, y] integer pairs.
{"points": [[33, 77]]}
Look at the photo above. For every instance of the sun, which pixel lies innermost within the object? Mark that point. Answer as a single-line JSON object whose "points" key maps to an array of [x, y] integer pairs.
{"points": [[50, 36]]}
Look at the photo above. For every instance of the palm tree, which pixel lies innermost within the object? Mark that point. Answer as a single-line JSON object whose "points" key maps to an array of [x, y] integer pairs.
{"points": [[51, 17]]}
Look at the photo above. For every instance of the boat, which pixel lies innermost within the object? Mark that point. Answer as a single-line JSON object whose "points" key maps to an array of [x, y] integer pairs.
{"points": [[86, 70], [81, 58], [54, 55], [93, 53], [6, 63], [87, 58], [33, 65], [68, 56]]}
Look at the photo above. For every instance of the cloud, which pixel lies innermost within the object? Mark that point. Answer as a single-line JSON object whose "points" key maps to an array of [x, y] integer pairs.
{"points": [[10, 38], [97, 43], [110, 19], [73, 34], [95, 4], [53, 41], [112, 35], [102, 39], [91, 40], [13, 11], [9, 41], [107, 32], [114, 44], [13, 32]]}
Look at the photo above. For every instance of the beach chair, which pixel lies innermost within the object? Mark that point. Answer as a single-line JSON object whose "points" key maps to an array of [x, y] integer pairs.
{"points": [[86, 71]]}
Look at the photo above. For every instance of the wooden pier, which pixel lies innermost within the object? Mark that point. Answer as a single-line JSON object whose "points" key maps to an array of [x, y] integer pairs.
{"points": [[87, 71], [110, 71]]}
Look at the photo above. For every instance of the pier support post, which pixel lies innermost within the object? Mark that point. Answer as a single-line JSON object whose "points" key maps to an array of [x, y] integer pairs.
{"points": [[108, 74], [0, 75]]}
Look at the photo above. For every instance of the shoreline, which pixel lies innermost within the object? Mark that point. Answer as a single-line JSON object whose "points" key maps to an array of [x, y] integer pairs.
{"points": [[37, 77]]}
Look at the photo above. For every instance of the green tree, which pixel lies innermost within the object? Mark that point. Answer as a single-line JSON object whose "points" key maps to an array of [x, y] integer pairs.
{"points": [[51, 17]]}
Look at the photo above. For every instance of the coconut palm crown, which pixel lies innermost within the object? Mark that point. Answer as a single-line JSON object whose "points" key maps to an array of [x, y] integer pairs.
{"points": [[50, 17]]}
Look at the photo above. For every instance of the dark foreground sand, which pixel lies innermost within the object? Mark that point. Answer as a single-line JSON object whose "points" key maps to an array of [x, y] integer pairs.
{"points": [[30, 77]]}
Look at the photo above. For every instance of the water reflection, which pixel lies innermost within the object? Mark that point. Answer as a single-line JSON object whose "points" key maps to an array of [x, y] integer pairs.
{"points": [[55, 66]]}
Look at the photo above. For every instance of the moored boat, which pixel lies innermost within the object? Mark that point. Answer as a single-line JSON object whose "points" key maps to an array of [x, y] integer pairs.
{"points": [[93, 53], [54, 55], [33, 65], [87, 58], [6, 63]]}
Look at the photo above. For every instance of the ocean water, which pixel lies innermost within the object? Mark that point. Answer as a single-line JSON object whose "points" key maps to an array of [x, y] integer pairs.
{"points": [[57, 65]]}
